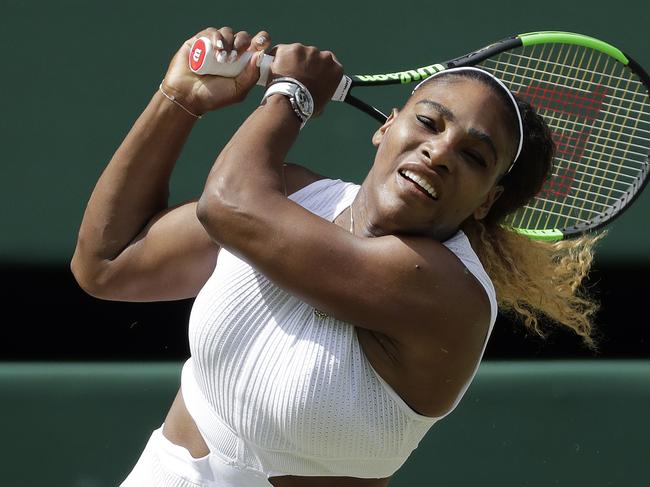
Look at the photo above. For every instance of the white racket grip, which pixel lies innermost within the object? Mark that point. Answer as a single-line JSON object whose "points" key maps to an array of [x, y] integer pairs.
{"points": [[342, 89], [264, 63], [203, 60]]}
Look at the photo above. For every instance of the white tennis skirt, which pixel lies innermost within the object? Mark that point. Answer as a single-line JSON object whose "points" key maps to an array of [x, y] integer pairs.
{"points": [[165, 464]]}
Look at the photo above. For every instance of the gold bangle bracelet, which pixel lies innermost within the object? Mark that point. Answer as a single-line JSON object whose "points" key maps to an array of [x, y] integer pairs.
{"points": [[172, 98]]}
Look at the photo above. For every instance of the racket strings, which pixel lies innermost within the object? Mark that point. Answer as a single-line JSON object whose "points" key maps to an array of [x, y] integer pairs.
{"points": [[556, 77], [599, 115], [641, 141], [552, 201]]}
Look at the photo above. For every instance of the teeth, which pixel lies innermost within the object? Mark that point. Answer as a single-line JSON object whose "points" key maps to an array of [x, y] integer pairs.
{"points": [[420, 181]]}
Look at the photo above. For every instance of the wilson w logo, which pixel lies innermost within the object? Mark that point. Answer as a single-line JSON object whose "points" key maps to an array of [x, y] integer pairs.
{"points": [[567, 111], [585, 105]]}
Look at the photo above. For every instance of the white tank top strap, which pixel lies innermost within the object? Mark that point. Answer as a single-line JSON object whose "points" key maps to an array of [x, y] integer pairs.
{"points": [[459, 244], [326, 198]]}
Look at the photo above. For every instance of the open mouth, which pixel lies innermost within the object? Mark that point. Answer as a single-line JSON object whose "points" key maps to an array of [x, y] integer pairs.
{"points": [[420, 183]]}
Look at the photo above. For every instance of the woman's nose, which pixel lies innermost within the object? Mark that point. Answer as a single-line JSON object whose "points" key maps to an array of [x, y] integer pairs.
{"points": [[438, 156]]}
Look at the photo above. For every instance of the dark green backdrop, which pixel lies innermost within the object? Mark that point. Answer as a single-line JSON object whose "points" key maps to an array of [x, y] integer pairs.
{"points": [[76, 74]]}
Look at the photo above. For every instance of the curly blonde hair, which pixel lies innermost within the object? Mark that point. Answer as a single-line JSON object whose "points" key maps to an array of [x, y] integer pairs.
{"points": [[534, 280], [539, 281]]}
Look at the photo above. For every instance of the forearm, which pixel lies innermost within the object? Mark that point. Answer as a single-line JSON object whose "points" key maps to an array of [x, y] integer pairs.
{"points": [[135, 184], [246, 178]]}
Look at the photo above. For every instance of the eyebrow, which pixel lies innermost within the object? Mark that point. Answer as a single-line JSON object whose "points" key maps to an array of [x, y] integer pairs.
{"points": [[475, 133], [441, 109]]}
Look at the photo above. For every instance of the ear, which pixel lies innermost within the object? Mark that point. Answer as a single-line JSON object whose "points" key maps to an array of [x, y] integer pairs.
{"points": [[379, 134], [493, 195]]}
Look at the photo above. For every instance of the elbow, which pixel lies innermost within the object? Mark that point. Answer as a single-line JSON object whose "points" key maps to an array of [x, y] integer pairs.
{"points": [[216, 215], [204, 210], [91, 279], [85, 281], [232, 216], [205, 213]]}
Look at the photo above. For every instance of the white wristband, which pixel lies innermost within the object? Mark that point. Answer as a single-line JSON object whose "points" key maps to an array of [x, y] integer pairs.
{"points": [[298, 94]]}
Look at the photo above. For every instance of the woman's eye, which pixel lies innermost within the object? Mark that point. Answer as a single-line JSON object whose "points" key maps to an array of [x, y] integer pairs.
{"points": [[477, 158], [427, 122]]}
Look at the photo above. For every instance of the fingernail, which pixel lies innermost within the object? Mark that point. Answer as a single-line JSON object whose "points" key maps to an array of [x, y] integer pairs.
{"points": [[261, 40], [221, 57], [233, 56], [258, 62], [220, 44]]}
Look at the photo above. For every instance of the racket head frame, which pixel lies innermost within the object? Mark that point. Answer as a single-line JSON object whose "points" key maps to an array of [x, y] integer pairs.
{"points": [[509, 43]]}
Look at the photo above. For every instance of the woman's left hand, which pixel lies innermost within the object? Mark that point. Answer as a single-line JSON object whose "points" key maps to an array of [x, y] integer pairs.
{"points": [[319, 71], [205, 93]]}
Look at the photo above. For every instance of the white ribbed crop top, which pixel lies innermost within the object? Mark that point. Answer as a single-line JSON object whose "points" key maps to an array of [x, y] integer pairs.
{"points": [[276, 389]]}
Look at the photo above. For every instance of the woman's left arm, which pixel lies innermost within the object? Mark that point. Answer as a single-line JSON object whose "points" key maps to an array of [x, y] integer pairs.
{"points": [[249, 168], [244, 196], [375, 283]]}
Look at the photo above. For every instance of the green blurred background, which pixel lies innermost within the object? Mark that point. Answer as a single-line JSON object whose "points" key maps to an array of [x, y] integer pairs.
{"points": [[77, 74]]}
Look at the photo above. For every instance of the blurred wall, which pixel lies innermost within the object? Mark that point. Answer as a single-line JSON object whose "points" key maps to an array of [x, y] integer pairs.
{"points": [[521, 424]]}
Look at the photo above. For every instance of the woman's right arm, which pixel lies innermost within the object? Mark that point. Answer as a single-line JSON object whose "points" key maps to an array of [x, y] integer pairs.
{"points": [[131, 246]]}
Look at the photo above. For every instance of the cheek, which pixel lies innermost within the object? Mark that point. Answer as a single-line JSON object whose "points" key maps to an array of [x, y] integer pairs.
{"points": [[469, 196], [396, 137], [387, 154]]}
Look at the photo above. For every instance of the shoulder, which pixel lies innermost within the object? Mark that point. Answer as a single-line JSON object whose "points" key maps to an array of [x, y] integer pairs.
{"points": [[412, 289], [451, 311], [444, 303], [445, 265], [462, 248], [436, 318], [297, 177]]}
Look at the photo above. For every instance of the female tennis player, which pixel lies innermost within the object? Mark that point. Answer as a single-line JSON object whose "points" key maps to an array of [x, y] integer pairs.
{"points": [[333, 323]]}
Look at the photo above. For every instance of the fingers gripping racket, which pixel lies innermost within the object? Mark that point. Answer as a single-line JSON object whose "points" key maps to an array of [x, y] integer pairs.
{"points": [[596, 101]]}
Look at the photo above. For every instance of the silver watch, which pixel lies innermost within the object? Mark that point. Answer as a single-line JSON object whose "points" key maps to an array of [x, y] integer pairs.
{"points": [[298, 94]]}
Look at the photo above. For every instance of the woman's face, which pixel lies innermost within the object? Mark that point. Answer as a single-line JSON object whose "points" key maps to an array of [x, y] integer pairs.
{"points": [[439, 159]]}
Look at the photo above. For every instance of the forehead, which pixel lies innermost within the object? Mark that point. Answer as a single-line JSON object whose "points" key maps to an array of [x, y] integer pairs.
{"points": [[474, 105], [464, 93]]}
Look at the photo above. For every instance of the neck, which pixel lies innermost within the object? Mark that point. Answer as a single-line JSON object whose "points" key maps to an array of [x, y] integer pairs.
{"points": [[368, 222], [362, 217]]}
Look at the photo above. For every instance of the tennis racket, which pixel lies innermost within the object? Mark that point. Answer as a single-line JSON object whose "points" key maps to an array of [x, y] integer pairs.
{"points": [[594, 98]]}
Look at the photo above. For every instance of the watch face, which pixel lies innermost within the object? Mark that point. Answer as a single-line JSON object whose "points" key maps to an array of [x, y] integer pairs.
{"points": [[304, 103]]}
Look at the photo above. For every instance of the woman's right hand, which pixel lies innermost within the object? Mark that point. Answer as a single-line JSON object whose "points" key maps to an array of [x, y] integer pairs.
{"points": [[204, 93]]}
